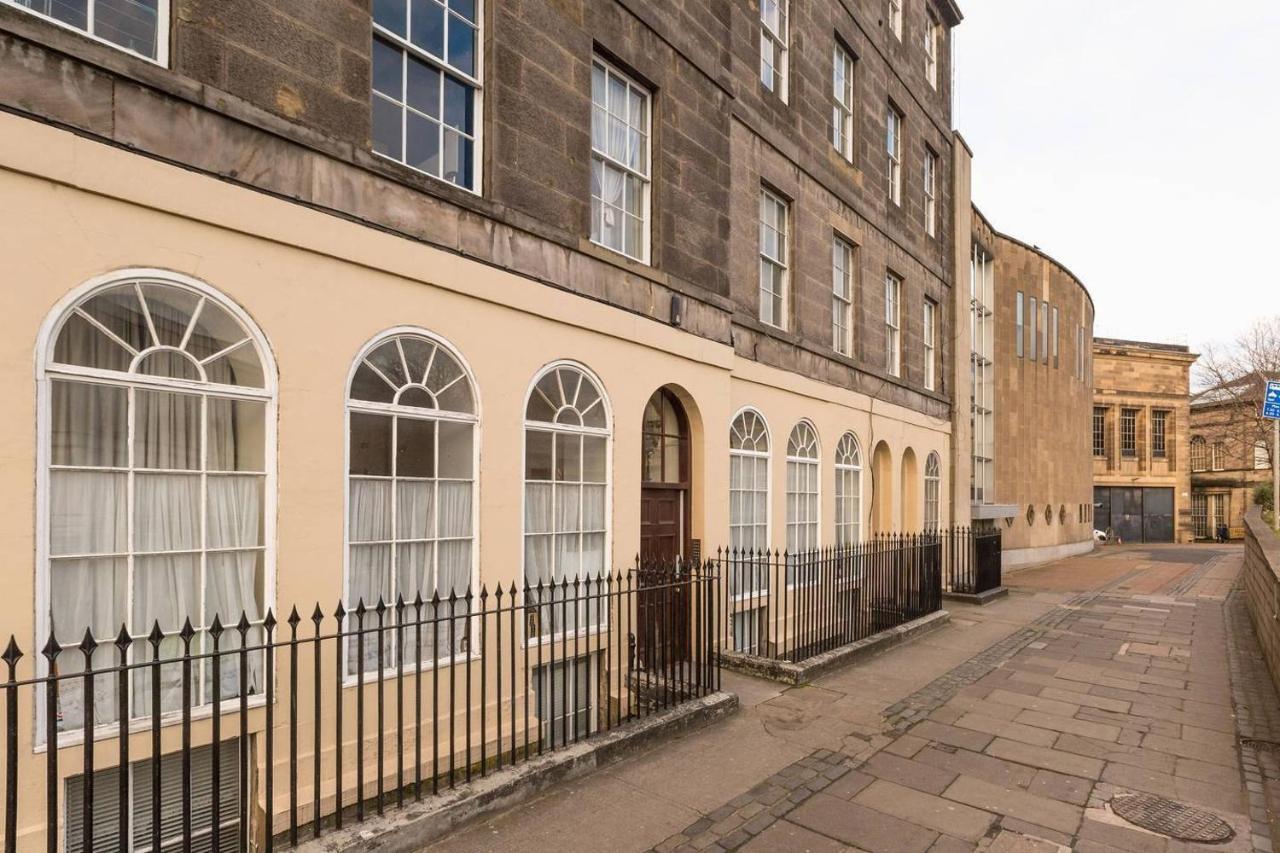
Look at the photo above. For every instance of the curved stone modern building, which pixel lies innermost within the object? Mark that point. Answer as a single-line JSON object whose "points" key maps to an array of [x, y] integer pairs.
{"points": [[1029, 380]]}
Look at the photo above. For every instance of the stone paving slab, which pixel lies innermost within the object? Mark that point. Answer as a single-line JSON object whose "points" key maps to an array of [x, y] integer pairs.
{"points": [[1008, 730]]}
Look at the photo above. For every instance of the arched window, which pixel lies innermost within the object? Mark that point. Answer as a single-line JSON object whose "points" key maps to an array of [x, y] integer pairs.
{"points": [[848, 490], [932, 491], [748, 482], [566, 486], [802, 489], [411, 424], [1199, 454], [157, 443]]}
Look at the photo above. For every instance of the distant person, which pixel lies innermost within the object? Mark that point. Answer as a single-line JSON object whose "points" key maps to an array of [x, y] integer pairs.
{"points": [[1223, 533]]}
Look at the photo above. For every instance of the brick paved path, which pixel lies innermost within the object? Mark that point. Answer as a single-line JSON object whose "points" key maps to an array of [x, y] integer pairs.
{"points": [[1009, 730]]}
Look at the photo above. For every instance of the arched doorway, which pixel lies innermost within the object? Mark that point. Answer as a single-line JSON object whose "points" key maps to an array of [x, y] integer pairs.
{"points": [[882, 489], [665, 478]]}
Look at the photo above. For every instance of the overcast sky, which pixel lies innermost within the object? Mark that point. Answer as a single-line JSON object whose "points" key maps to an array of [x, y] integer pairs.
{"points": [[1134, 141]]}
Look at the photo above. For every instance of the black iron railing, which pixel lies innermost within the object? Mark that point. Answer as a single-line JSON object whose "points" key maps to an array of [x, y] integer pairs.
{"points": [[973, 561], [794, 606], [341, 714]]}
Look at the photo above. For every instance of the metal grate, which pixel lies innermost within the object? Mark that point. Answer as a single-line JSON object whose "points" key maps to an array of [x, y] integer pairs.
{"points": [[1173, 819]]}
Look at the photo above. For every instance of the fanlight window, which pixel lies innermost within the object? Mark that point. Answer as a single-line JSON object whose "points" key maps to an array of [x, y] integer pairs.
{"points": [[411, 490], [566, 499], [159, 330], [749, 433], [157, 436], [566, 396], [848, 490], [415, 372]]}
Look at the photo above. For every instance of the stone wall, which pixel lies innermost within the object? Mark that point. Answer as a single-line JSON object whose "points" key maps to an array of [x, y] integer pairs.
{"points": [[1262, 587], [275, 96]]}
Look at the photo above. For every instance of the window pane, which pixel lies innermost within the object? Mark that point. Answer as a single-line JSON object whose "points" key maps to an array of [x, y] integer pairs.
{"points": [[455, 509], [537, 507], [427, 26], [415, 447], [388, 69], [462, 46], [457, 457], [370, 451], [415, 510], [234, 584], [166, 430], [423, 144], [166, 512], [457, 158], [80, 342], [387, 128], [422, 91], [120, 312], [87, 512], [369, 510], [236, 434], [234, 508], [537, 455], [171, 308], [568, 457], [390, 14], [87, 594], [89, 425]]}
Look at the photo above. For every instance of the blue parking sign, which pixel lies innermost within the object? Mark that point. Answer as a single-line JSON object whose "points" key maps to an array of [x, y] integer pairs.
{"points": [[1271, 404]]}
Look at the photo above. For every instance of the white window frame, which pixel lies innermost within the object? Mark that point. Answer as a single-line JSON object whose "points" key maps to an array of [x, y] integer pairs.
{"points": [[929, 334], [398, 411], [931, 32], [583, 627], [1021, 325], [474, 80], [776, 41], [162, 29], [982, 369], [893, 324], [753, 454], [894, 120], [842, 262], [842, 70], [932, 492], [1053, 330], [848, 469], [606, 161], [895, 18], [771, 201], [1032, 342], [804, 458], [46, 373], [930, 192]]}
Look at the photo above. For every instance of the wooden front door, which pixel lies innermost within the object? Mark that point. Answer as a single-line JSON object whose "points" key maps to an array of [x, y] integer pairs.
{"points": [[664, 605], [662, 533]]}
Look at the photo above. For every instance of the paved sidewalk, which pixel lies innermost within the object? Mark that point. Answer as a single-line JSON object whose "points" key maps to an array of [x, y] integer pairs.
{"points": [[1010, 729]]}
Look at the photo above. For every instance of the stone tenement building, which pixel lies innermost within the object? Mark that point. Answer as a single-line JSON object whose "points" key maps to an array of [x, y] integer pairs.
{"points": [[1141, 440], [1231, 449], [353, 299]]}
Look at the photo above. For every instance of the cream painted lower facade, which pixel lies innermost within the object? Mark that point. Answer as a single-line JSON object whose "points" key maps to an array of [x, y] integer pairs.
{"points": [[319, 288]]}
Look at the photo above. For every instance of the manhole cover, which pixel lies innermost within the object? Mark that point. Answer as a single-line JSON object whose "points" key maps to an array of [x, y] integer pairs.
{"points": [[1171, 818], [1260, 745]]}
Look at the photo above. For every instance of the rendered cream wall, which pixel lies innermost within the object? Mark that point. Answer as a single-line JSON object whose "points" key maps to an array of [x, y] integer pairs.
{"points": [[319, 288]]}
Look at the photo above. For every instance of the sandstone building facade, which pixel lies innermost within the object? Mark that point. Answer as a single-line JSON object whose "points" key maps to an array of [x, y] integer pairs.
{"points": [[1230, 455], [1141, 440], [354, 300], [1021, 450]]}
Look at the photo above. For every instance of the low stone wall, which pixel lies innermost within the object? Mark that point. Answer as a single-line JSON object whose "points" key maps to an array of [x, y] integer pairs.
{"points": [[1262, 587]]}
